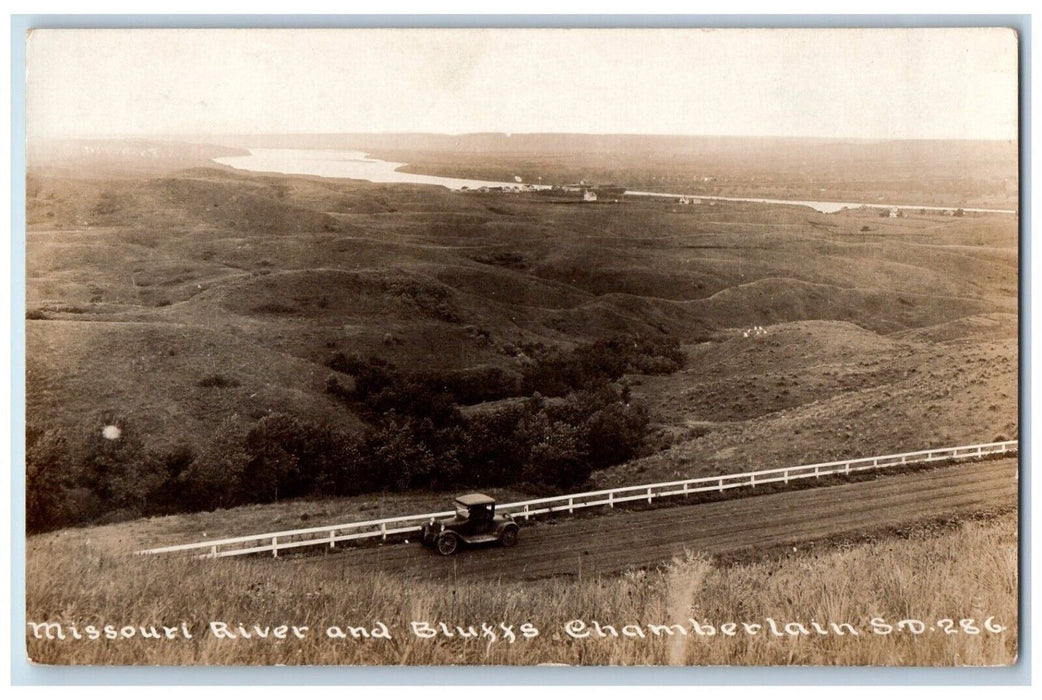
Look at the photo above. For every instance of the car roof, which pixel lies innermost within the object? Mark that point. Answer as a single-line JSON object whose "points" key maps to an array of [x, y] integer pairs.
{"points": [[475, 499]]}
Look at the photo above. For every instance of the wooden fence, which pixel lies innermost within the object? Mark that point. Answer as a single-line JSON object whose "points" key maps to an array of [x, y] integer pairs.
{"points": [[330, 535]]}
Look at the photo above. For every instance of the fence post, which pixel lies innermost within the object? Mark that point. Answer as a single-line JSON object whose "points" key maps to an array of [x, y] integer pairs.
{"points": [[611, 499], [383, 531], [275, 547], [846, 468], [332, 540], [685, 488], [721, 484], [980, 451], [571, 505], [526, 511], [213, 552], [817, 472], [785, 476], [649, 494]]}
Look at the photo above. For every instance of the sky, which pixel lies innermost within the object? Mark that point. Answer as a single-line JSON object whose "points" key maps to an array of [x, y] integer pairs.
{"points": [[835, 83]]}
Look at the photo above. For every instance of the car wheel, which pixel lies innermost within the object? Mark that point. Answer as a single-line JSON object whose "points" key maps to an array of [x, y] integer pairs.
{"points": [[509, 537], [447, 544]]}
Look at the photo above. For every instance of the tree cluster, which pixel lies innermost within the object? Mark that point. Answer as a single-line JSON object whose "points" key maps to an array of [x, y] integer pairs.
{"points": [[544, 429]]}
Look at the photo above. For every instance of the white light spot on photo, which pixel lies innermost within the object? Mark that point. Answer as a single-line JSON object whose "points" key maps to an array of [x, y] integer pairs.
{"points": [[111, 432]]}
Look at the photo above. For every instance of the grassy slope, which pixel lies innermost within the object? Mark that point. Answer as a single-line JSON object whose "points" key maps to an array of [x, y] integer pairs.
{"points": [[148, 286], [812, 391], [929, 572]]}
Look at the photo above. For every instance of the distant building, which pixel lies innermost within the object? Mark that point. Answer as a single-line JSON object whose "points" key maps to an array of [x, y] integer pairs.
{"points": [[591, 192], [894, 212]]}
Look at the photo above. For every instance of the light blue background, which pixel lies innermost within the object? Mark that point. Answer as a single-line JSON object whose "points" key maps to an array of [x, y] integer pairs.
{"points": [[23, 673]]}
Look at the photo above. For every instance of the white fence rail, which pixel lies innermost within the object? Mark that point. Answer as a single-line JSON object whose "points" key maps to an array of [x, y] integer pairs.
{"points": [[330, 535]]}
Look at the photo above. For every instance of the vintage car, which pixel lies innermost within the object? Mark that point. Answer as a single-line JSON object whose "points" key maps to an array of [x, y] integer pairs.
{"points": [[475, 522]]}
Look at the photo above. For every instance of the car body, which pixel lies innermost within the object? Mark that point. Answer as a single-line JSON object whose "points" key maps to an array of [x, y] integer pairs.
{"points": [[475, 522]]}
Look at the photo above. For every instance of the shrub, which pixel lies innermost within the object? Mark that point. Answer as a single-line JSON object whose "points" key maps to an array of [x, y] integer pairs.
{"points": [[107, 203], [274, 307], [514, 261], [90, 477], [348, 364], [49, 481], [603, 361], [335, 388], [213, 479], [218, 381], [395, 458], [555, 454], [614, 433], [121, 471], [168, 496]]}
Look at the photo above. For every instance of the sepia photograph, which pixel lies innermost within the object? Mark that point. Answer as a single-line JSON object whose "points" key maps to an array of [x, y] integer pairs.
{"points": [[466, 346]]}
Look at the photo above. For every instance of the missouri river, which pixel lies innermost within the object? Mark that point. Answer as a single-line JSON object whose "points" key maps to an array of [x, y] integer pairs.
{"points": [[354, 165]]}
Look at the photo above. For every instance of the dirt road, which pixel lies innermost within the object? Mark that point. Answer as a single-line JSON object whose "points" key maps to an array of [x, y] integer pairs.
{"points": [[629, 539]]}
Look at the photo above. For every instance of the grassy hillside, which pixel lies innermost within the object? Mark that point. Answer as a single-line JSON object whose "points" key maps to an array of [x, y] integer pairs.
{"points": [[193, 304], [939, 573], [806, 392]]}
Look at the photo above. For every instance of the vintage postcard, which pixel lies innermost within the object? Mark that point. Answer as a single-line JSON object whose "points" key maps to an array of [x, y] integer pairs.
{"points": [[596, 347]]}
